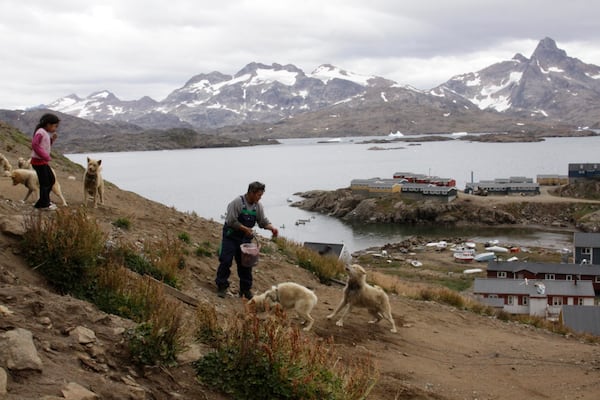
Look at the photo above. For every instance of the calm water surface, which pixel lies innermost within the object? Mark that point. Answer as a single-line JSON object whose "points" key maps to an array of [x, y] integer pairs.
{"points": [[205, 180]]}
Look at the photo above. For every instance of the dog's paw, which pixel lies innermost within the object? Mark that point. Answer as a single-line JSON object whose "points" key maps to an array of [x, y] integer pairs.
{"points": [[340, 323]]}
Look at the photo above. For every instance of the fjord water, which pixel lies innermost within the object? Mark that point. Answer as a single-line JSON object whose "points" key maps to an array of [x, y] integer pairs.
{"points": [[205, 180]]}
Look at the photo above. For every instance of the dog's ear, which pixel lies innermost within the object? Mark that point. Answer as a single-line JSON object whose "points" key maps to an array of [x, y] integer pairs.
{"points": [[99, 162], [88, 160], [271, 294]]}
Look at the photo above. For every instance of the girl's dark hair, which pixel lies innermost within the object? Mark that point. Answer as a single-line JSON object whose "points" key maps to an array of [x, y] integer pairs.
{"points": [[47, 119]]}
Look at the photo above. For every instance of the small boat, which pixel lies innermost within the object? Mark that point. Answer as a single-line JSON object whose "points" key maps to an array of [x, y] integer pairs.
{"points": [[416, 263], [461, 247], [470, 245], [497, 249], [483, 257], [472, 271], [396, 134], [464, 256], [332, 140], [490, 243], [512, 259]]}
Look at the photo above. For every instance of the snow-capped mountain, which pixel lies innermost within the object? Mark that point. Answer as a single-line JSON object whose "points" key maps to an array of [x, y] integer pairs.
{"points": [[549, 85], [257, 93], [547, 88]]}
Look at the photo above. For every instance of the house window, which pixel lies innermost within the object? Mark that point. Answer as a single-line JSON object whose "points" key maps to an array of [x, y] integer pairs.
{"points": [[586, 250], [580, 301], [493, 296], [557, 301], [525, 300], [569, 277], [549, 277], [510, 300], [597, 279], [501, 274]]}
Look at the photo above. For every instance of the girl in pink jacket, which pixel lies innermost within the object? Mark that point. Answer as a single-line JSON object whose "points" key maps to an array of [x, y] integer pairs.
{"points": [[41, 146]]}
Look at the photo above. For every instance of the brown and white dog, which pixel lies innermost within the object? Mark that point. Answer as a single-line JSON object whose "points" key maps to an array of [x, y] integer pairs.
{"points": [[288, 295], [358, 293], [5, 165], [28, 177], [24, 163], [93, 184]]}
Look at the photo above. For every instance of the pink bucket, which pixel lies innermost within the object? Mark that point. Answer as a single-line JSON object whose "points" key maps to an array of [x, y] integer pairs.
{"points": [[249, 254]]}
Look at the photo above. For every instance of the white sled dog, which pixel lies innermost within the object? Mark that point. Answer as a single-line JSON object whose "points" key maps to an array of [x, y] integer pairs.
{"points": [[289, 295], [93, 184], [358, 293], [28, 177]]}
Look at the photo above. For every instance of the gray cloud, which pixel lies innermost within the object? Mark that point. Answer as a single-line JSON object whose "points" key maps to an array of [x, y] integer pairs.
{"points": [[135, 48]]}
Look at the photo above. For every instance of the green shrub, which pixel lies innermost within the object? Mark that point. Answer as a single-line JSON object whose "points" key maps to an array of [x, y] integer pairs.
{"points": [[161, 260], [65, 247], [205, 250], [258, 360], [123, 223], [121, 292], [158, 340], [207, 327], [185, 237]]}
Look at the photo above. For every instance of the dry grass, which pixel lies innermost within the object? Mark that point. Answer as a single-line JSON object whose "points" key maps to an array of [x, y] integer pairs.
{"points": [[324, 267], [268, 359]]}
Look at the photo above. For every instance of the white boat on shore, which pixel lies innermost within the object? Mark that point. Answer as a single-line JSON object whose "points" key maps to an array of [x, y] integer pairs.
{"points": [[497, 249], [483, 257], [464, 256], [441, 245], [472, 271]]}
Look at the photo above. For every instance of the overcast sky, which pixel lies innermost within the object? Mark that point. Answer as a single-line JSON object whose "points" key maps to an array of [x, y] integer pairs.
{"points": [[53, 48]]}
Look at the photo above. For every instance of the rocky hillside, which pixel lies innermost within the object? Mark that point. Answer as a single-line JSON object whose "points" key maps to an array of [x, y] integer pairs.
{"points": [[55, 346]]}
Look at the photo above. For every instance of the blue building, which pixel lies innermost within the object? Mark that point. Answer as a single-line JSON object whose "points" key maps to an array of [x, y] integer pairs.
{"points": [[583, 171]]}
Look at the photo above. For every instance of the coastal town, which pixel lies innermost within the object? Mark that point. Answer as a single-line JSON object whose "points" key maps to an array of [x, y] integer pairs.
{"points": [[560, 290]]}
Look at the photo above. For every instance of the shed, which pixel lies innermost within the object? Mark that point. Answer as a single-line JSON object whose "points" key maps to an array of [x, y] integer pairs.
{"points": [[326, 249], [586, 247], [581, 319]]}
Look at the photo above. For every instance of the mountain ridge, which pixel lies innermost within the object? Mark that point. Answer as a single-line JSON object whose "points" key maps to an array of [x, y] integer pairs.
{"points": [[548, 87]]}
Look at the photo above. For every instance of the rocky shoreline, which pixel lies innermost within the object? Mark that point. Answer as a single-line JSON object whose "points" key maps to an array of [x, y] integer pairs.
{"points": [[545, 212]]}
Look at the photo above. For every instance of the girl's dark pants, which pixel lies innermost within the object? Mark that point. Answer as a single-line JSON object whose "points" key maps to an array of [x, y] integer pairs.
{"points": [[46, 179]]}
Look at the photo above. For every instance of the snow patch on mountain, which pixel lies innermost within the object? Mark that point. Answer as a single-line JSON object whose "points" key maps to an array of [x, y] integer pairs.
{"points": [[489, 96], [269, 76], [327, 72]]}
